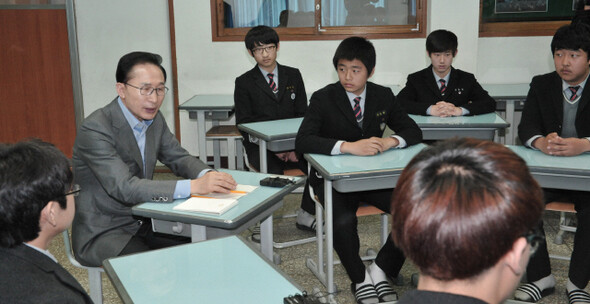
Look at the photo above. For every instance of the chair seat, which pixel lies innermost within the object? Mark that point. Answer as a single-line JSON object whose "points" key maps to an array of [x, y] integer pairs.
{"points": [[561, 207], [223, 131]]}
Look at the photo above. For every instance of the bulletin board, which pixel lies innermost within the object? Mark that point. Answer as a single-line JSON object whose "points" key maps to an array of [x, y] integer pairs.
{"points": [[526, 10]]}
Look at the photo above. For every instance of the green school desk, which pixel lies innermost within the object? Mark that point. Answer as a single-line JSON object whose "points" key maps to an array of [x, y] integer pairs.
{"points": [[251, 208], [225, 270]]}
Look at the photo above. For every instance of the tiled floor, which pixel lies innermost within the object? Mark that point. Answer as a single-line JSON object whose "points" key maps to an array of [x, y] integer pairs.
{"points": [[293, 258]]}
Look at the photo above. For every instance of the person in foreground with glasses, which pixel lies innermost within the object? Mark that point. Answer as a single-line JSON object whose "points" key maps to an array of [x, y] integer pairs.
{"points": [[114, 158], [36, 204], [463, 212]]}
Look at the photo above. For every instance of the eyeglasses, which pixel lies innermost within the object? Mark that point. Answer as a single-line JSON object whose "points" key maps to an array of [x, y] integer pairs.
{"points": [[534, 238], [147, 91], [268, 49], [74, 191]]}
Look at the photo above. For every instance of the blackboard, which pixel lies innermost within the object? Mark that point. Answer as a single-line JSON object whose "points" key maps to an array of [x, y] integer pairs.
{"points": [[526, 10]]}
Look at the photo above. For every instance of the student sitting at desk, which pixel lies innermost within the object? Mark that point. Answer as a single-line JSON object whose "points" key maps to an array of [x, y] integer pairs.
{"points": [[555, 121], [350, 116], [271, 91], [115, 155], [441, 90], [36, 204], [463, 211]]}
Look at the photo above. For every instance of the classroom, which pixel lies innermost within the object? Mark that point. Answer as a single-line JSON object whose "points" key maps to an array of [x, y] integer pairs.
{"points": [[197, 63]]}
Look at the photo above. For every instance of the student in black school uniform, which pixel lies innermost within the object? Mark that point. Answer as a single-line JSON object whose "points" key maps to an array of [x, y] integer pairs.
{"points": [[349, 116], [36, 205], [271, 91], [441, 90], [555, 121]]}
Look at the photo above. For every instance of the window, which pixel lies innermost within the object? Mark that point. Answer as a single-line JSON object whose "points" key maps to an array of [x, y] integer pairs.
{"points": [[319, 19]]}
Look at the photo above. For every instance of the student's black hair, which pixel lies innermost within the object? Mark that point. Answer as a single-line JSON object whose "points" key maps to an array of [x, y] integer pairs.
{"points": [[359, 48], [128, 61], [260, 35], [572, 37], [32, 173], [441, 41]]}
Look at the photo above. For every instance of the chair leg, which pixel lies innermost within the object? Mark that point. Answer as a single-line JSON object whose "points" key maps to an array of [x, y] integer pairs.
{"points": [[239, 154], [95, 285], [231, 153]]}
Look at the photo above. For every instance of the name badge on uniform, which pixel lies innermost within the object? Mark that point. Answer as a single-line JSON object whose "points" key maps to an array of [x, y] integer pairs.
{"points": [[382, 126], [293, 96]]}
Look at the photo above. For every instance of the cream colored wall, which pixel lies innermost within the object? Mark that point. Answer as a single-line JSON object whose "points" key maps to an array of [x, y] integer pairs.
{"points": [[206, 67]]}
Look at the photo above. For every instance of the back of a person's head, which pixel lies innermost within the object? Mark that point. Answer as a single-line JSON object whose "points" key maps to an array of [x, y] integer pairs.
{"points": [[32, 173], [130, 60], [358, 48], [261, 35], [441, 41], [460, 205], [573, 37]]}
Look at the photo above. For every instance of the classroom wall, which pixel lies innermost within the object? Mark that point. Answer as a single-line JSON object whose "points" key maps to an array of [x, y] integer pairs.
{"points": [[109, 28]]}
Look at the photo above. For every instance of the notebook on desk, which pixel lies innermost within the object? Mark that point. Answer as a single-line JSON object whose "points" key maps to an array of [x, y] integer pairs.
{"points": [[215, 203]]}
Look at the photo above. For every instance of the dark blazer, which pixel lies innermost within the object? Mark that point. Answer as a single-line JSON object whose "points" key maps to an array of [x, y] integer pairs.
{"points": [[255, 101], [29, 276], [463, 90], [108, 166], [330, 118], [543, 109], [427, 297]]}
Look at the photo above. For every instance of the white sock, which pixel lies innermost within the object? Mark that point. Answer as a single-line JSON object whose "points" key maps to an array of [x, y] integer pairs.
{"points": [[546, 282], [377, 274], [570, 286], [305, 218], [367, 280]]}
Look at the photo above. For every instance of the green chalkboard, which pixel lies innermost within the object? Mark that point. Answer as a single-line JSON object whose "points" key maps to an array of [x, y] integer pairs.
{"points": [[526, 10]]}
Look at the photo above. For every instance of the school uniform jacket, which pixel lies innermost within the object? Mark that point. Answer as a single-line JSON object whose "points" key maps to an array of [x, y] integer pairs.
{"points": [[29, 276], [543, 109], [108, 166], [330, 118], [255, 101], [463, 90]]}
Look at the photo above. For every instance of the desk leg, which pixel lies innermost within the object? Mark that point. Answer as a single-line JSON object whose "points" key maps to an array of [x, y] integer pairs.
{"points": [[216, 149], [262, 152], [201, 135], [510, 131], [329, 236], [266, 236], [198, 233]]}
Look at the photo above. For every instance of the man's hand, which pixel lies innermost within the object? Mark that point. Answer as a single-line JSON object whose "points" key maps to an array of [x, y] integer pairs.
{"points": [[213, 181], [445, 109], [369, 146], [553, 144]]}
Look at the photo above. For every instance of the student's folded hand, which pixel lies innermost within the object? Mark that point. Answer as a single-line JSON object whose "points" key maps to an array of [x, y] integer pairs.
{"points": [[367, 146]]}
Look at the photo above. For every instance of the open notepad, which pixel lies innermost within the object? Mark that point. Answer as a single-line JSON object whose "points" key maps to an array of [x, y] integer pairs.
{"points": [[215, 203]]}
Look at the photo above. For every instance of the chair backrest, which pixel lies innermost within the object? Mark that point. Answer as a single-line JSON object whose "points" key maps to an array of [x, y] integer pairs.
{"points": [[69, 252]]}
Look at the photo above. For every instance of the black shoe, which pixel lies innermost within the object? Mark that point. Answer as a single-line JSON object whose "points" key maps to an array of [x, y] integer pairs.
{"points": [[533, 292]]}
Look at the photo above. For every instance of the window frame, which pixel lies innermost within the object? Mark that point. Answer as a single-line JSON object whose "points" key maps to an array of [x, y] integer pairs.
{"points": [[220, 33]]}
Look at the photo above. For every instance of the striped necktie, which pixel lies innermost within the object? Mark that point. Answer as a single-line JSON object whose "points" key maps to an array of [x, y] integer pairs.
{"points": [[357, 110], [574, 91], [271, 82], [443, 87]]}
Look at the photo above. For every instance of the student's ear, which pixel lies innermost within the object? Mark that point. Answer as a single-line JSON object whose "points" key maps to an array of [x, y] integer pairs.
{"points": [[456, 51], [250, 52], [120, 89], [278, 45], [518, 256], [48, 213], [371, 74]]}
